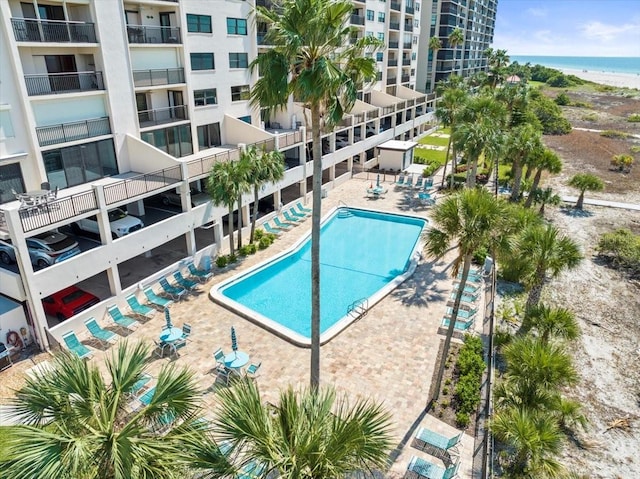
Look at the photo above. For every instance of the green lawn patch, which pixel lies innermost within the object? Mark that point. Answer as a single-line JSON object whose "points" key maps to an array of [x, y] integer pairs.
{"points": [[423, 156], [434, 140]]}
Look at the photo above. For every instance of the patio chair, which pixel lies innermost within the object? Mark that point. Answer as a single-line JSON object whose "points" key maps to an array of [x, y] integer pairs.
{"points": [[281, 225], [428, 440], [297, 214], [252, 370], [269, 229], [161, 348], [400, 181], [419, 467], [463, 314], [201, 275], [290, 218], [468, 287], [409, 182], [428, 183], [303, 209], [219, 355], [460, 325], [105, 337], [418, 184], [466, 297], [252, 470], [122, 320], [156, 300], [145, 399], [75, 346], [140, 310], [184, 282], [140, 384], [186, 331], [176, 293]]}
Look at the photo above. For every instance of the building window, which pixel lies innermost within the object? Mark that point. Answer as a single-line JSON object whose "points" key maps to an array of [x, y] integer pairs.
{"points": [[202, 61], [370, 15], [238, 60], [413, 56], [175, 140], [209, 136], [6, 125], [10, 180], [379, 56], [381, 36], [239, 93], [416, 23], [246, 119], [380, 17], [417, 6], [205, 97], [236, 26], [368, 34], [79, 164], [198, 23]]}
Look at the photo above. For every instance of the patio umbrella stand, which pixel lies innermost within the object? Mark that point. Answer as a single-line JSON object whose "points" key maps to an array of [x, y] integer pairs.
{"points": [[234, 340], [167, 317]]}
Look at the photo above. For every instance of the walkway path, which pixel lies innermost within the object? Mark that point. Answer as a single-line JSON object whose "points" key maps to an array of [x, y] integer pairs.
{"points": [[610, 204]]}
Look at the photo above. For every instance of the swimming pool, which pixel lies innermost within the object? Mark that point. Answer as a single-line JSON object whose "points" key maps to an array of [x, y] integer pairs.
{"points": [[364, 254]]}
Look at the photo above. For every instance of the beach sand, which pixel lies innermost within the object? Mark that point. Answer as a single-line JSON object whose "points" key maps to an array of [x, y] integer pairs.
{"points": [[606, 78]]}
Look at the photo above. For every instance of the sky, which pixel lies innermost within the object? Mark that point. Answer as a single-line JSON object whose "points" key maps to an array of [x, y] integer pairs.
{"points": [[599, 28]]}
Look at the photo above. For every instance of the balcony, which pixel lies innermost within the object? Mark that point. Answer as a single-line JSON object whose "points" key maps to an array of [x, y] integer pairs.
{"points": [[396, 6], [405, 78], [262, 38], [54, 31], [394, 25], [394, 44], [168, 76], [406, 61], [391, 81], [55, 83], [406, 45], [73, 131], [152, 34], [392, 63], [409, 10], [357, 20], [408, 27], [160, 116]]}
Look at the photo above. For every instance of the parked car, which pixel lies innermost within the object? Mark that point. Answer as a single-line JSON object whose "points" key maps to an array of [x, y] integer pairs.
{"points": [[172, 197], [7, 253], [120, 223], [51, 247], [68, 302]]}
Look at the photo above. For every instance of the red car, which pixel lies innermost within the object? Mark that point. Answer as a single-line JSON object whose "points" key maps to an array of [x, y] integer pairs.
{"points": [[68, 302]]}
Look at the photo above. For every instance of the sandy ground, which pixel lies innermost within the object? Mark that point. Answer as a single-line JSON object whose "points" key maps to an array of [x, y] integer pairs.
{"points": [[607, 78]]}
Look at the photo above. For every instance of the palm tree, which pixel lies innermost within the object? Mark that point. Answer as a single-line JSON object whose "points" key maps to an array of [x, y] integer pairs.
{"points": [[225, 185], [267, 167], [77, 425], [585, 182], [243, 182], [544, 160], [523, 141], [622, 162], [311, 433], [448, 110], [551, 322], [435, 44], [547, 254], [456, 37], [468, 219], [497, 61], [313, 59], [544, 197]]}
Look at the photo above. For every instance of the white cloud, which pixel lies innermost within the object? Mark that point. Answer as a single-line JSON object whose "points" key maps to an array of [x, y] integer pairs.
{"points": [[537, 12], [601, 31]]}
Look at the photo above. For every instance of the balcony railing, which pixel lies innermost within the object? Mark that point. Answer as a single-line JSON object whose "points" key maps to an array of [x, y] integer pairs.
{"points": [[161, 116], [357, 20], [394, 44], [396, 6], [405, 78], [262, 40], [58, 210], [409, 10], [406, 45], [167, 76], [53, 83], [406, 61], [55, 31], [391, 81], [408, 27], [141, 184], [392, 63], [394, 25], [153, 34], [76, 130]]}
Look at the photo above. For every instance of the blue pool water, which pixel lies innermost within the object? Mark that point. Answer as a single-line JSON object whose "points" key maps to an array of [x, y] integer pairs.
{"points": [[361, 252]]}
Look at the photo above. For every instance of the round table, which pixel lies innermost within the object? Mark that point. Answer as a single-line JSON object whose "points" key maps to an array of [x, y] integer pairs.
{"points": [[236, 359], [168, 335]]}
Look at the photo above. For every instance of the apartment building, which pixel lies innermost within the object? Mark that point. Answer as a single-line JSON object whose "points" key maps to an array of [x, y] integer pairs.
{"points": [[475, 18], [128, 103]]}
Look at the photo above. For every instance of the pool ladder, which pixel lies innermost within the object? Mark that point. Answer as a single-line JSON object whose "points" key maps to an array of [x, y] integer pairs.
{"points": [[358, 308], [345, 213]]}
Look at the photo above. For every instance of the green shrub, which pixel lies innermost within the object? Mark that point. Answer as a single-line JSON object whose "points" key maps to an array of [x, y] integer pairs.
{"points": [[258, 234], [621, 249], [244, 250], [558, 80], [221, 261], [620, 135], [550, 116], [468, 394], [272, 237], [232, 258], [444, 404], [562, 99], [634, 118], [445, 391], [470, 363], [447, 382], [252, 248], [462, 420], [634, 149], [264, 242], [582, 104], [590, 117]]}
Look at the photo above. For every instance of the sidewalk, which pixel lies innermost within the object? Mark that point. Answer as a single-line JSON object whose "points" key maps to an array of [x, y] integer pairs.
{"points": [[610, 204]]}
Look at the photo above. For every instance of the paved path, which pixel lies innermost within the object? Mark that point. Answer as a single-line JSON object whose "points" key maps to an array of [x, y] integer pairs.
{"points": [[610, 204]]}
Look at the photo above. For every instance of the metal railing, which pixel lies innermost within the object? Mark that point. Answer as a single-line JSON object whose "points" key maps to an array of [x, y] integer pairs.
{"points": [[392, 62], [408, 27], [160, 116], [54, 83], [202, 166], [391, 81], [396, 6], [358, 308], [58, 210], [153, 34], [358, 118], [405, 78], [409, 10], [166, 76], [406, 61], [357, 20], [388, 109], [394, 25], [394, 44], [141, 184], [72, 131], [55, 31], [373, 114], [262, 38], [406, 45]]}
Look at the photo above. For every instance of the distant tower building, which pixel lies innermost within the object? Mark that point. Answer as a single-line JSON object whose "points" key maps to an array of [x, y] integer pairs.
{"points": [[475, 18]]}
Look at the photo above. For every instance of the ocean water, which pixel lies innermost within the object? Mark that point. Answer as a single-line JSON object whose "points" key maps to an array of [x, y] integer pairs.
{"points": [[592, 64]]}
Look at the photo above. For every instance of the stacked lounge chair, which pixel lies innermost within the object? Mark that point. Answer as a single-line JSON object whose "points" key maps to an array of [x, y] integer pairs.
{"points": [[105, 336], [156, 300], [139, 310], [75, 346]]}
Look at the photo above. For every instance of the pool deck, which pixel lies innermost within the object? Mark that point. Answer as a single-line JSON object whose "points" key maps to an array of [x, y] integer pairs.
{"points": [[388, 355]]}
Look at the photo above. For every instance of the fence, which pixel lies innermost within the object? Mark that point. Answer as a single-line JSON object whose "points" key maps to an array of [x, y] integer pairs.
{"points": [[141, 184], [165, 76], [32, 30], [53, 83], [58, 210], [77, 130]]}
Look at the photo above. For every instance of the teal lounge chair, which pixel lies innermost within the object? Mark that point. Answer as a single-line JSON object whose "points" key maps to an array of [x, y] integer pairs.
{"points": [[303, 209], [74, 345], [252, 370], [296, 214], [141, 310], [176, 293], [186, 331], [466, 297], [427, 439], [423, 468], [468, 287], [156, 300], [281, 225], [267, 227], [290, 218], [140, 384], [460, 325], [104, 336], [418, 184], [184, 282], [146, 398], [409, 182], [463, 314], [400, 181], [201, 275], [121, 320]]}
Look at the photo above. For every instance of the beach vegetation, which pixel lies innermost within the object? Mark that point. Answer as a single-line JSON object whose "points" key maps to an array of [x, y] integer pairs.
{"points": [[314, 59], [550, 116], [585, 182], [562, 99], [590, 117], [621, 249], [542, 160], [521, 144], [622, 162], [616, 134], [634, 149], [456, 37], [453, 97], [634, 118], [543, 197], [550, 323]]}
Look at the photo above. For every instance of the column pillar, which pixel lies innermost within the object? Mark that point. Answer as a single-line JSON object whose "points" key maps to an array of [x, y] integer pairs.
{"points": [[185, 201], [303, 161]]}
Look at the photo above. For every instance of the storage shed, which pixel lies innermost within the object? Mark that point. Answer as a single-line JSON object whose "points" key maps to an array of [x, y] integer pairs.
{"points": [[395, 155]]}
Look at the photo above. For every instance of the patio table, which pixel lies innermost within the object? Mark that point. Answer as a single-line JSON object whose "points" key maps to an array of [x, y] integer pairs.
{"points": [[236, 359], [169, 335]]}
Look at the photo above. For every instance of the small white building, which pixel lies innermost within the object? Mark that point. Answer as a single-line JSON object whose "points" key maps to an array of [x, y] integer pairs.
{"points": [[395, 155]]}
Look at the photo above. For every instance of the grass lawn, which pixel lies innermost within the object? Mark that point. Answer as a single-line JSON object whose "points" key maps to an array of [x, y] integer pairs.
{"points": [[429, 156]]}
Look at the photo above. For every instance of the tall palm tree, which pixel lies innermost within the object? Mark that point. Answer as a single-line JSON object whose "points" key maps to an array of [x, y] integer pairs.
{"points": [[225, 185], [243, 182], [547, 254], [467, 219], [522, 141], [497, 61], [311, 433], [77, 425], [585, 182], [435, 44], [313, 59], [544, 160], [456, 37], [448, 111], [267, 167], [551, 322]]}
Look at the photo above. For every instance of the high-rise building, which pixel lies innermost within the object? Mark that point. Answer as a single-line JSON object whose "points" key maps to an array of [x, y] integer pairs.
{"points": [[109, 104], [475, 18]]}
